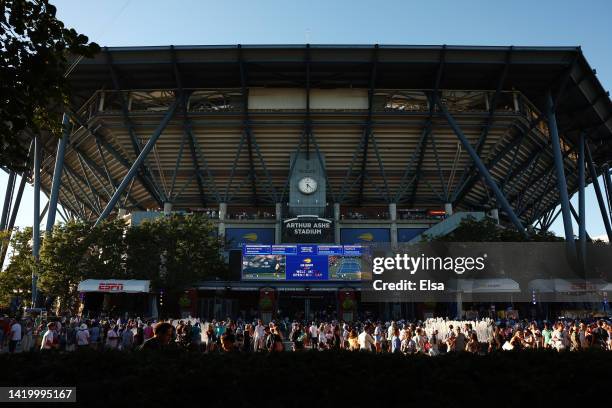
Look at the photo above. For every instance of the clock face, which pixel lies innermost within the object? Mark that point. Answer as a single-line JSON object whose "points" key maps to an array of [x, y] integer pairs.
{"points": [[307, 185]]}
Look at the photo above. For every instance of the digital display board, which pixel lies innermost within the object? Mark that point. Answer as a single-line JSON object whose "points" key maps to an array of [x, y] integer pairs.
{"points": [[303, 262]]}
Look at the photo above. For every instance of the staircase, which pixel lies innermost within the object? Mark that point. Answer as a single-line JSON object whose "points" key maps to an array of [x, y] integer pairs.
{"points": [[448, 225]]}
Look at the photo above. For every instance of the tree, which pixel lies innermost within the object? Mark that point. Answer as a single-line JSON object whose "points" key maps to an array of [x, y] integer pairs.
{"points": [[16, 280], [35, 48], [105, 256], [487, 230], [63, 261], [174, 252]]}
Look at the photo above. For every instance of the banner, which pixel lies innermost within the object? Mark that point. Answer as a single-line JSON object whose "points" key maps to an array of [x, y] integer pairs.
{"points": [[364, 235], [236, 237], [115, 286], [308, 229]]}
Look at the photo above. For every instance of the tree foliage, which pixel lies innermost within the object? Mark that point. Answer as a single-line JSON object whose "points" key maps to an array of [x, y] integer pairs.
{"points": [[17, 278], [487, 230], [173, 252], [63, 261], [35, 48]]}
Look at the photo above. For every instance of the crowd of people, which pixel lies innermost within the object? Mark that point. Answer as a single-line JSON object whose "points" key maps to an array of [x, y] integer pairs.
{"points": [[431, 337]]}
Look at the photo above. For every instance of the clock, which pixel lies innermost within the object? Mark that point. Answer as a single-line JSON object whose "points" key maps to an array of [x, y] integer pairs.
{"points": [[307, 185]]}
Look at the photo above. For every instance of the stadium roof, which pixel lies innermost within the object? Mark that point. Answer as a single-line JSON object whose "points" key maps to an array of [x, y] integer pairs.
{"points": [[515, 148], [583, 102]]}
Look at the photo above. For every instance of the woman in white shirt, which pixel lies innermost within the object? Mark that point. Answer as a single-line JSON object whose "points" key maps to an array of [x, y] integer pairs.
{"points": [[112, 339], [322, 340], [366, 341], [82, 337], [48, 341], [558, 339]]}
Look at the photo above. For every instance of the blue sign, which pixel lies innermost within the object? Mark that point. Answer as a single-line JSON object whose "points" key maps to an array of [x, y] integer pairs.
{"points": [[307, 250], [364, 235], [255, 249], [284, 249], [354, 250], [305, 267], [330, 250], [235, 237], [406, 234]]}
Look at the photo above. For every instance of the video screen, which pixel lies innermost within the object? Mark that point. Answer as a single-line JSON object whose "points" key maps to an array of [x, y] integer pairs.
{"points": [[303, 262], [345, 268], [266, 267]]}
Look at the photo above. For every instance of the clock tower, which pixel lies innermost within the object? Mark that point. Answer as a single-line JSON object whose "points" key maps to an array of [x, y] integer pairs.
{"points": [[307, 189]]}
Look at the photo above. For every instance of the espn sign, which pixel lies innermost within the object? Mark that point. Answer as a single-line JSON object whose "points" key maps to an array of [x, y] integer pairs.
{"points": [[110, 287], [115, 286]]}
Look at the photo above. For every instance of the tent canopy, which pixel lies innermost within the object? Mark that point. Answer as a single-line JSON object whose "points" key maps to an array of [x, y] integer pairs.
{"points": [[494, 285]]}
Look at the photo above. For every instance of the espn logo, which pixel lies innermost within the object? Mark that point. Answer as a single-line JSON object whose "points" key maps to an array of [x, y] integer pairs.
{"points": [[110, 287]]}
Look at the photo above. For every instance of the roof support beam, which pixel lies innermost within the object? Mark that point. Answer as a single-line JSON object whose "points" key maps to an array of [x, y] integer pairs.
{"points": [[600, 198], [57, 173], [501, 199], [404, 183], [608, 186], [93, 205], [36, 220], [13, 216], [423, 147], [560, 170], [484, 133], [137, 163], [8, 197], [147, 176], [187, 133], [581, 218], [368, 126], [99, 173], [113, 152], [246, 126]]}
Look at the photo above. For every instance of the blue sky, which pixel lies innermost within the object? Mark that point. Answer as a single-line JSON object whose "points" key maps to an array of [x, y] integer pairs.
{"points": [[155, 22]]}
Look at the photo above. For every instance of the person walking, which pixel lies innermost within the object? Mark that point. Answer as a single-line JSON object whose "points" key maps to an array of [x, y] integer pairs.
{"points": [[82, 337], [14, 335], [127, 338]]}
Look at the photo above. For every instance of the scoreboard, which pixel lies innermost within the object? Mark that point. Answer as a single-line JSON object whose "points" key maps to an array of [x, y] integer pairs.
{"points": [[303, 262]]}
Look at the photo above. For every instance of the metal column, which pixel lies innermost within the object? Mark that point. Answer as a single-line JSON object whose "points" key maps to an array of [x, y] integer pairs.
{"points": [[337, 223], [57, 173], [278, 212], [13, 216], [36, 222], [139, 160], [8, 197], [608, 183], [393, 219], [561, 182], [482, 169], [581, 200], [222, 217], [600, 198]]}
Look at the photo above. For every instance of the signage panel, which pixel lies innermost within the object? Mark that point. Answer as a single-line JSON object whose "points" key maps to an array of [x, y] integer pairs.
{"points": [[308, 229]]}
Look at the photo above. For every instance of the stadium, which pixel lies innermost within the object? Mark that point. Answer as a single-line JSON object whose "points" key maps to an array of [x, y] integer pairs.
{"points": [[328, 145]]}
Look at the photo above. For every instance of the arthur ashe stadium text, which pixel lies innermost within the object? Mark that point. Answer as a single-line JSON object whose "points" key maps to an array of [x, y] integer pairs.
{"points": [[307, 228]]}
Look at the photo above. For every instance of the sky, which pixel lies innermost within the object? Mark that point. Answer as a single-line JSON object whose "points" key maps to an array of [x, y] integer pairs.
{"points": [[189, 22]]}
